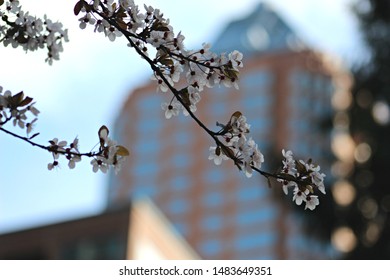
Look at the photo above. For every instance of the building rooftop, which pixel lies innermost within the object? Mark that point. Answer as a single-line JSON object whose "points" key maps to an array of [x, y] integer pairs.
{"points": [[262, 31]]}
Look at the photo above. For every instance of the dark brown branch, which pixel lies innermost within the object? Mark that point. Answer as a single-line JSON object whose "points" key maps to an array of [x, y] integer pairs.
{"points": [[48, 148], [176, 93]]}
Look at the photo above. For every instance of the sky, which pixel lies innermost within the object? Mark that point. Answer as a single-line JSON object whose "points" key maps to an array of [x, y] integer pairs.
{"points": [[93, 78]]}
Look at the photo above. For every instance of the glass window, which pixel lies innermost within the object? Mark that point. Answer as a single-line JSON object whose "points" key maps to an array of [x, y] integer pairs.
{"points": [[255, 216], [213, 199], [142, 189], [179, 206], [245, 193], [256, 79], [180, 160], [150, 102], [145, 169], [217, 109], [180, 182], [151, 126], [182, 137], [214, 175], [212, 223], [146, 146], [249, 241], [257, 101], [211, 247], [260, 124]]}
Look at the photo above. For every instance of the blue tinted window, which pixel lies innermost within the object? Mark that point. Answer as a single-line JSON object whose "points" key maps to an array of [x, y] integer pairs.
{"points": [[180, 160], [300, 79], [255, 216], [182, 137], [147, 146], [179, 206], [212, 223], [259, 78], [260, 124], [213, 199], [297, 242], [214, 175], [248, 194], [301, 148], [151, 126], [150, 102], [180, 182], [320, 84], [211, 247], [145, 169], [257, 101], [249, 241], [217, 108], [143, 190]]}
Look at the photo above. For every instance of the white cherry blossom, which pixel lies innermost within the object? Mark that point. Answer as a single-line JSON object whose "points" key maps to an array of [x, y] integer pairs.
{"points": [[299, 196], [217, 155], [150, 34], [171, 109], [311, 202], [303, 177]]}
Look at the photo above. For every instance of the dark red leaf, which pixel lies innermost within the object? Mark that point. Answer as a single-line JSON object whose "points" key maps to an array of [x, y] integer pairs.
{"points": [[77, 8], [26, 101]]}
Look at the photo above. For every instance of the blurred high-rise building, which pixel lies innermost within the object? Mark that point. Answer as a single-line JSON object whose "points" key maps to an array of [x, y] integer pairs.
{"points": [[286, 93]]}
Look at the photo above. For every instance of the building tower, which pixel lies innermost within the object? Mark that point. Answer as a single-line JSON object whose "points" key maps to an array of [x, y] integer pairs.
{"points": [[285, 93]]}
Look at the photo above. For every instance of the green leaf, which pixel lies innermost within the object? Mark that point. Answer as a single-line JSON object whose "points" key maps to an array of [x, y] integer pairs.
{"points": [[231, 73], [122, 151], [310, 188], [166, 61], [113, 6], [1, 2]]}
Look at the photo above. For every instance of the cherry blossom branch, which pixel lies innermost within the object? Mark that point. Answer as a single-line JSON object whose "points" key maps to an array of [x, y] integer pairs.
{"points": [[26, 139], [202, 68], [172, 64], [31, 33], [177, 93], [17, 107], [51, 148]]}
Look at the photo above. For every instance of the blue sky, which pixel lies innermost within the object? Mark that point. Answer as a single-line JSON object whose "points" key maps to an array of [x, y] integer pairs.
{"points": [[86, 88]]}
